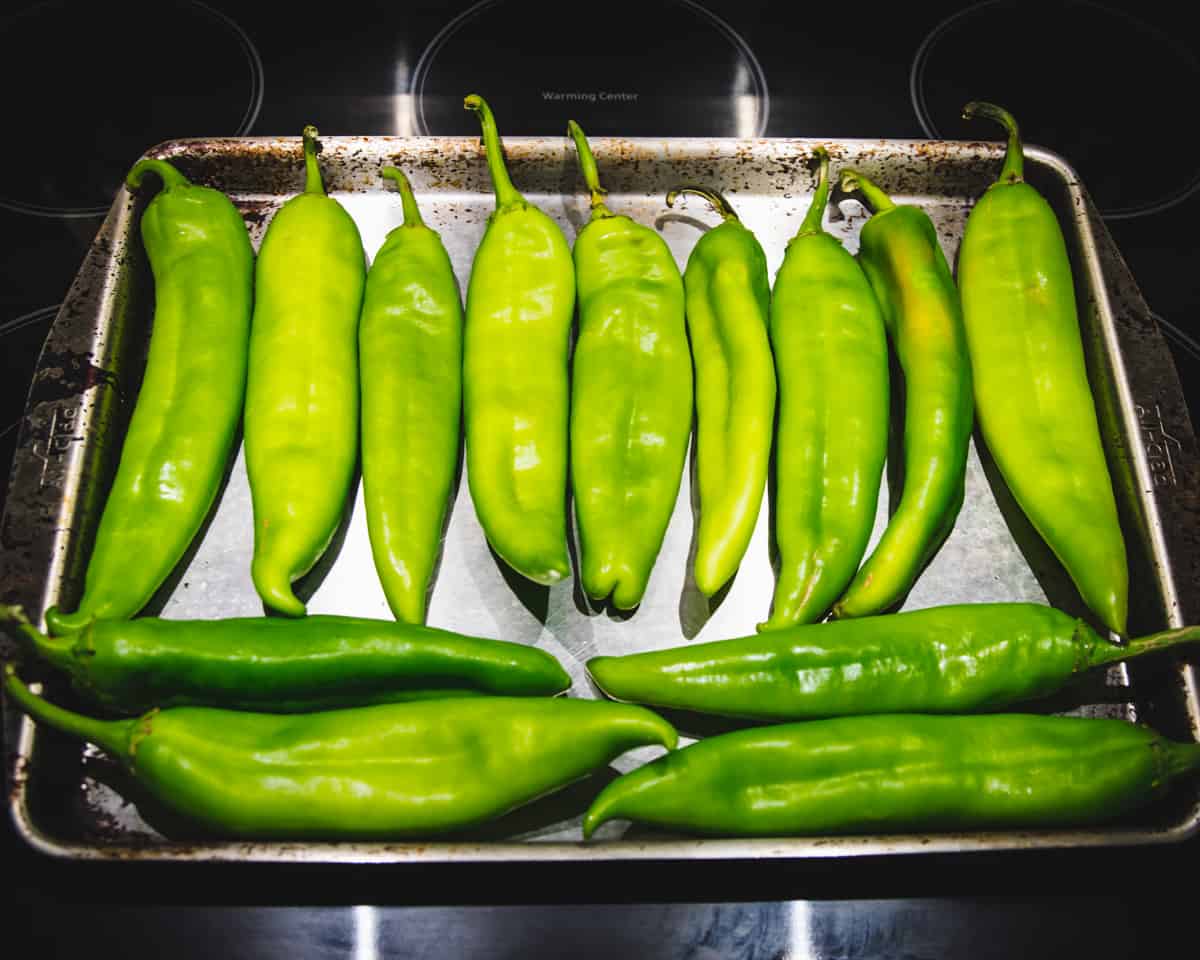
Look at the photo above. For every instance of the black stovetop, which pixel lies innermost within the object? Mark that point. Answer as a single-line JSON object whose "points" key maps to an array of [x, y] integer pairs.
{"points": [[1108, 86]]}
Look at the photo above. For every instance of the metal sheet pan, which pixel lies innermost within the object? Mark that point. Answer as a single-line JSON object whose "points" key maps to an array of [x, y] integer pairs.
{"points": [[73, 803]]}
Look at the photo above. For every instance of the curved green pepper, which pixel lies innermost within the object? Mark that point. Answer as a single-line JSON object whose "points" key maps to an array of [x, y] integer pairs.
{"points": [[284, 665], [301, 429], [728, 298], [950, 659], [831, 354], [1036, 411], [185, 418], [900, 254], [631, 396], [410, 362], [901, 772], [406, 769], [520, 304]]}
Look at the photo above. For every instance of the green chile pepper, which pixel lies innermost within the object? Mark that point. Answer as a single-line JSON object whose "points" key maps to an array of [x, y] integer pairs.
{"points": [[390, 770], [301, 420], [631, 396], [831, 353], [284, 665], [410, 363], [900, 254], [186, 415], [901, 772], [1035, 407], [728, 298], [520, 305], [951, 659]]}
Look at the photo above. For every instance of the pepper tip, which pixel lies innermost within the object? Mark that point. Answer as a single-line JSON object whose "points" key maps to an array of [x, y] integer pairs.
{"points": [[276, 593], [590, 667]]}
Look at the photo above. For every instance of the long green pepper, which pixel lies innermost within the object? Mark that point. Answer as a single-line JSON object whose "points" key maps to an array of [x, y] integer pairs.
{"points": [[284, 664], [520, 305], [901, 256], [728, 298], [391, 770], [831, 355], [631, 395], [301, 420], [951, 659], [1035, 407], [410, 364], [184, 421], [901, 772]]}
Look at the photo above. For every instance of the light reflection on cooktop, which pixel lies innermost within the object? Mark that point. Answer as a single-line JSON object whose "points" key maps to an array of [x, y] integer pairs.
{"points": [[684, 72]]}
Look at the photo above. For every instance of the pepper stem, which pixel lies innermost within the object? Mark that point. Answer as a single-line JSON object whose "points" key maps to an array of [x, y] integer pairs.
{"points": [[591, 176], [721, 205], [112, 735], [1140, 646], [506, 193], [852, 181], [1013, 170], [168, 174], [312, 172], [412, 216], [56, 651], [812, 219], [588, 168]]}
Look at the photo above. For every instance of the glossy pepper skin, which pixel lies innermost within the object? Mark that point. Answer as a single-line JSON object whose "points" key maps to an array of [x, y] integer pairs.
{"points": [[410, 365], [831, 354], [901, 772], [520, 306], [631, 396], [1035, 407], [301, 419], [728, 297], [899, 252], [284, 665], [391, 770], [184, 421], [952, 659]]}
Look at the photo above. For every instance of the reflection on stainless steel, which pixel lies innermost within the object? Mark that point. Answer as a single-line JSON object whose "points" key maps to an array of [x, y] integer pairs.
{"points": [[79, 406], [366, 933], [1060, 927], [800, 930]]}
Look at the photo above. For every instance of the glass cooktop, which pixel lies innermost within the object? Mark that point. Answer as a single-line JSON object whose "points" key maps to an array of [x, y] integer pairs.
{"points": [[1110, 87]]}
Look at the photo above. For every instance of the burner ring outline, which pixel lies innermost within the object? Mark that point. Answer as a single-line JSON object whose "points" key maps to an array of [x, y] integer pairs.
{"points": [[416, 85], [916, 92], [249, 116]]}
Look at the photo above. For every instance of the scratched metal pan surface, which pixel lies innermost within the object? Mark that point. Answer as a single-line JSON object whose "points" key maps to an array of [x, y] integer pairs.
{"points": [[72, 802]]}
